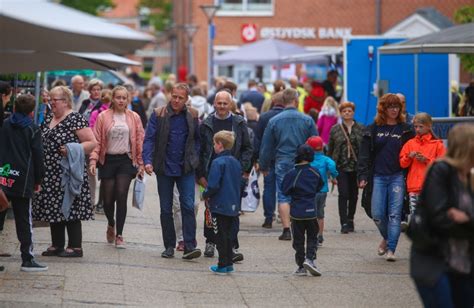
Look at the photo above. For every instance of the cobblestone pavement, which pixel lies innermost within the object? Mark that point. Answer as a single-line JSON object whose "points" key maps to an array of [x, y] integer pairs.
{"points": [[353, 274]]}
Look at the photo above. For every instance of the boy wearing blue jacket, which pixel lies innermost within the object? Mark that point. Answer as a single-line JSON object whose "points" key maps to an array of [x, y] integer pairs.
{"points": [[21, 172], [223, 194], [324, 165], [301, 184]]}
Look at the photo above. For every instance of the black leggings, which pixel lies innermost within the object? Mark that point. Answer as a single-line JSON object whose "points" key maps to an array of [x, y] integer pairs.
{"points": [[348, 193], [116, 192], [74, 233]]}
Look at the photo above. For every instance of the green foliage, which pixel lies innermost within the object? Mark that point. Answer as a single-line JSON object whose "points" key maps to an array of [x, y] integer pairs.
{"points": [[88, 6], [464, 15], [161, 13]]}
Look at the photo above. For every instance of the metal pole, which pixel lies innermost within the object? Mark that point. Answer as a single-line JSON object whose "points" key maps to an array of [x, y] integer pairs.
{"points": [[210, 59], [191, 55]]}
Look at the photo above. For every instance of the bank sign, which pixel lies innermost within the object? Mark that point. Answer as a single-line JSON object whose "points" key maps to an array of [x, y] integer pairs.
{"points": [[304, 33]]}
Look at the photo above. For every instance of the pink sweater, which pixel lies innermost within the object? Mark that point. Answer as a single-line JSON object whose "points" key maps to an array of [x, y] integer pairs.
{"points": [[104, 123], [95, 114], [327, 119]]}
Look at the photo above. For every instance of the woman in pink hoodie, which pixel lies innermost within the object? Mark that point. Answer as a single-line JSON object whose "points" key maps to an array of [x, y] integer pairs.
{"points": [[327, 118], [105, 98]]}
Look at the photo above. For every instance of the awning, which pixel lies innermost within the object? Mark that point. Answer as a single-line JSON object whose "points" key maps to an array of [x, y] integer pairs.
{"points": [[47, 26], [457, 39], [317, 57]]}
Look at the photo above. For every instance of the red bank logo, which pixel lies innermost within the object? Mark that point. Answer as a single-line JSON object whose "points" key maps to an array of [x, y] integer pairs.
{"points": [[249, 33]]}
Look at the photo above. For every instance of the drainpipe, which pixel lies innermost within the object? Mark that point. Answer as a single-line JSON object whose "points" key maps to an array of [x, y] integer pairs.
{"points": [[378, 16]]}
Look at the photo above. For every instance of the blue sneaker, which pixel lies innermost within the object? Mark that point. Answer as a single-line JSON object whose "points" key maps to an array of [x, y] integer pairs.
{"points": [[230, 269], [218, 270]]}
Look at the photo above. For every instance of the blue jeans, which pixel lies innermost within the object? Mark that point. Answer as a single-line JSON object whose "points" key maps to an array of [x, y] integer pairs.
{"points": [[185, 185], [438, 295], [387, 204], [269, 194], [281, 169]]}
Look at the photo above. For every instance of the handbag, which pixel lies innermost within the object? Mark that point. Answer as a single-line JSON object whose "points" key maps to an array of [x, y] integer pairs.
{"points": [[3, 201], [138, 200], [251, 194], [366, 201]]}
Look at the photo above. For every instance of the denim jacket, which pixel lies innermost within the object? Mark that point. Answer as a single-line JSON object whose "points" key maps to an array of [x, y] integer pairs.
{"points": [[284, 133]]}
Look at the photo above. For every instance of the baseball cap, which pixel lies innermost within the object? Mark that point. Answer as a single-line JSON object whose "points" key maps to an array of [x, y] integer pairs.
{"points": [[315, 142]]}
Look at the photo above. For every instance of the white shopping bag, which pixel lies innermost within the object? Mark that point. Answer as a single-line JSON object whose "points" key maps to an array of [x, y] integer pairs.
{"points": [[251, 195], [139, 193]]}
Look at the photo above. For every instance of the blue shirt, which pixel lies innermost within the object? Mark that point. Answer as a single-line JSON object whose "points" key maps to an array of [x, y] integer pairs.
{"points": [[387, 144], [284, 133], [324, 165], [176, 144]]}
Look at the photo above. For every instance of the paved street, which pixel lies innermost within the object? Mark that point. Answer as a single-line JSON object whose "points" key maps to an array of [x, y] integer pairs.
{"points": [[353, 275]]}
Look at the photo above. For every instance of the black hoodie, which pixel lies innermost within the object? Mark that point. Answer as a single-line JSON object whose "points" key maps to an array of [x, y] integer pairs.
{"points": [[21, 156]]}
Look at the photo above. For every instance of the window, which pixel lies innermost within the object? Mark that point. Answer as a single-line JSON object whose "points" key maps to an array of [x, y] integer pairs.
{"points": [[245, 7]]}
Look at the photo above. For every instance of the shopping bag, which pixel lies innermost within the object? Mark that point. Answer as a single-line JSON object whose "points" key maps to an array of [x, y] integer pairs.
{"points": [[139, 193], [251, 194]]}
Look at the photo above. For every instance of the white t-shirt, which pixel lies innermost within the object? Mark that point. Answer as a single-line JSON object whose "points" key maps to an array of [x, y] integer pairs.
{"points": [[119, 136]]}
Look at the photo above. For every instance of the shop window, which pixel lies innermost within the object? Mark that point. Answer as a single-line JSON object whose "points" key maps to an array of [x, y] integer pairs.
{"points": [[245, 7], [148, 65]]}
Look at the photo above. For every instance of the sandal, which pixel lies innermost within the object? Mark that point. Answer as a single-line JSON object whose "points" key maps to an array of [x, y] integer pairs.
{"points": [[71, 253], [52, 251]]}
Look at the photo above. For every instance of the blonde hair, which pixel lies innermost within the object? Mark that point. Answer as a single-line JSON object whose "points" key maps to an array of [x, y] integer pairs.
{"points": [[251, 112], [226, 138], [63, 91], [330, 102], [460, 153], [385, 101], [106, 96]]}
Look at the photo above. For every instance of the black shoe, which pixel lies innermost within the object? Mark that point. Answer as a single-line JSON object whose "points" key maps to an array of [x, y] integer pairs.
{"points": [[285, 236], [168, 253], [350, 226], [71, 253], [209, 251], [192, 254], [52, 251], [32, 266], [268, 223], [2, 268], [344, 229], [237, 256]]}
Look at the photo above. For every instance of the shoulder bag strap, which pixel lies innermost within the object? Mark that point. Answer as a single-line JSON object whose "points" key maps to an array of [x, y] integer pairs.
{"points": [[350, 149]]}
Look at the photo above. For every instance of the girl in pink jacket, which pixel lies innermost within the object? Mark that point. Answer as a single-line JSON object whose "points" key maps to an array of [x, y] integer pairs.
{"points": [[327, 118]]}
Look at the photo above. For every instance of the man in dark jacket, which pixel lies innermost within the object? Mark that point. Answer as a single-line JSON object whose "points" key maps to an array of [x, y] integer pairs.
{"points": [[242, 150], [21, 172], [171, 150], [252, 96]]}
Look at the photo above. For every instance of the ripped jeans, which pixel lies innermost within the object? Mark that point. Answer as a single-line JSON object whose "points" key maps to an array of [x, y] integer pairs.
{"points": [[387, 204]]}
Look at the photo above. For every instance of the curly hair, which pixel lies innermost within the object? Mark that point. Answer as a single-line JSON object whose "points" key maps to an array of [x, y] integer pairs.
{"points": [[385, 101]]}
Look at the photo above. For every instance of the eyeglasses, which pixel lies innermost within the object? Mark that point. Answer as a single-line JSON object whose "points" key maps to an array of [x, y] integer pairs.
{"points": [[57, 100], [394, 107]]}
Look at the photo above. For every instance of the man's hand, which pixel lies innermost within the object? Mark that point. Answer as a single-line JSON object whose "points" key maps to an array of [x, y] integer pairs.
{"points": [[149, 169], [458, 216], [203, 182], [362, 183], [265, 173], [245, 175], [141, 172]]}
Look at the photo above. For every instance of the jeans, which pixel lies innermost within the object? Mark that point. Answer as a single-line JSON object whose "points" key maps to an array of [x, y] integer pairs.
{"points": [[387, 204], [348, 193], [185, 184], [281, 169], [269, 194]]}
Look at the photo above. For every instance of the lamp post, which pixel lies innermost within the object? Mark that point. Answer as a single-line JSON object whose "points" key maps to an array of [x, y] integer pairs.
{"points": [[190, 31], [210, 11]]}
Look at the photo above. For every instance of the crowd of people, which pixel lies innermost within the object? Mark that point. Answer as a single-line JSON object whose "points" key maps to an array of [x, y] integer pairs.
{"points": [[204, 144]]}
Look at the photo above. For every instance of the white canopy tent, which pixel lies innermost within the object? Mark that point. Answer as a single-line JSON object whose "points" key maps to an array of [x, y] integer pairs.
{"points": [[42, 25], [317, 57]]}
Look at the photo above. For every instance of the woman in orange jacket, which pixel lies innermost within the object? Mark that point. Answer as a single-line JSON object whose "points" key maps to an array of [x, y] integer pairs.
{"points": [[418, 153]]}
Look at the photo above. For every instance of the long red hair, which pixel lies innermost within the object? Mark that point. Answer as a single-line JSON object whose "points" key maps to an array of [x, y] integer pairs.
{"points": [[385, 101]]}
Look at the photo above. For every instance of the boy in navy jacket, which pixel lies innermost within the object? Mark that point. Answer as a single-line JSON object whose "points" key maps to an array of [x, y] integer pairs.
{"points": [[223, 192], [302, 184], [21, 172]]}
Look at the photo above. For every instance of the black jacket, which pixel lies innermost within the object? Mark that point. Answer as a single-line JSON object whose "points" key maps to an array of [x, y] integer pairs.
{"points": [[242, 150], [86, 103], [21, 156], [440, 192], [367, 150]]}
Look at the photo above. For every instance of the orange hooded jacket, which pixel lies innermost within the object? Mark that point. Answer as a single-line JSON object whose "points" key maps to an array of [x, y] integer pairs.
{"points": [[430, 148]]}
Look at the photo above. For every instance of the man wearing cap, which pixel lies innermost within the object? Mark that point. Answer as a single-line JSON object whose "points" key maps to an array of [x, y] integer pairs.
{"points": [[284, 133]]}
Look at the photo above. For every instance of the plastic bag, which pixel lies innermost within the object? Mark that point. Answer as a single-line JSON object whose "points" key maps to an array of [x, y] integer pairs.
{"points": [[251, 194], [138, 200]]}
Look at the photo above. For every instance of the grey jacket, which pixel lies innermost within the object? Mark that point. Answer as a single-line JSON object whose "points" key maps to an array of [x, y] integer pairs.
{"points": [[72, 176]]}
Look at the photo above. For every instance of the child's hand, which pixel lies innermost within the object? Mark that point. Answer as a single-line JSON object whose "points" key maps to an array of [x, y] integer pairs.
{"points": [[412, 154], [334, 181], [420, 157]]}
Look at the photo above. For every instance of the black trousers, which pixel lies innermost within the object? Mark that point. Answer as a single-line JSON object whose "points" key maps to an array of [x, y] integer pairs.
{"points": [[348, 193], [24, 228], [224, 239], [300, 228], [3, 216], [210, 234], [74, 233]]}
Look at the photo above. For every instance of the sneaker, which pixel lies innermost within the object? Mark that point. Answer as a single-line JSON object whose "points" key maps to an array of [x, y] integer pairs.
{"points": [[119, 242], [382, 248], [300, 271], [285, 236], [345, 229], [320, 240], [168, 253], [209, 251], [390, 257], [180, 246], [403, 226], [218, 270], [311, 267], [237, 256], [110, 234], [32, 266], [350, 226], [192, 254], [267, 223], [99, 208], [230, 269]]}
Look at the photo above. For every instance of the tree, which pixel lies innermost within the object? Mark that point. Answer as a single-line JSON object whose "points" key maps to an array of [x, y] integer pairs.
{"points": [[160, 13], [88, 6], [464, 15]]}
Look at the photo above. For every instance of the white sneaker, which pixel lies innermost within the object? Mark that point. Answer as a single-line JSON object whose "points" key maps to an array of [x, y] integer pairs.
{"points": [[390, 257], [311, 267]]}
